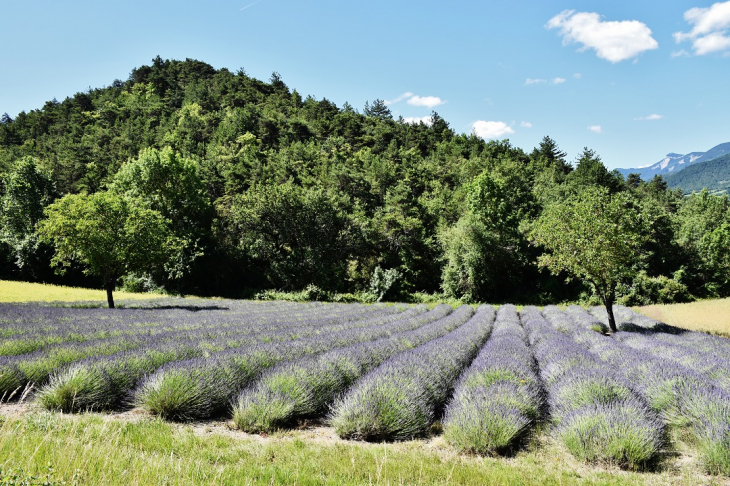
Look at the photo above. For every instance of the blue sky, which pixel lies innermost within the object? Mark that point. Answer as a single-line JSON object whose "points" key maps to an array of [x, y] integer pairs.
{"points": [[630, 80]]}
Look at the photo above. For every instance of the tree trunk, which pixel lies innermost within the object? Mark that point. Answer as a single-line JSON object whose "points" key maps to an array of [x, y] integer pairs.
{"points": [[611, 319], [109, 297]]}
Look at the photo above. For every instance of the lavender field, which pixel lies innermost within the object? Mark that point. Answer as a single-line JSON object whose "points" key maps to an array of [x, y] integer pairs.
{"points": [[487, 379]]}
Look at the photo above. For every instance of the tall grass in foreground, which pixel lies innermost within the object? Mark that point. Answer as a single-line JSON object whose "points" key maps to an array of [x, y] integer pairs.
{"points": [[401, 398], [499, 397], [109, 452]]}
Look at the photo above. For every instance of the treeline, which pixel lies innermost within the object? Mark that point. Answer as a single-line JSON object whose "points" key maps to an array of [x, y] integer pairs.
{"points": [[264, 189]]}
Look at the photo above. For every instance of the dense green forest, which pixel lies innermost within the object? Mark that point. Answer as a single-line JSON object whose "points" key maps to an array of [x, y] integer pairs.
{"points": [[261, 188], [713, 175]]}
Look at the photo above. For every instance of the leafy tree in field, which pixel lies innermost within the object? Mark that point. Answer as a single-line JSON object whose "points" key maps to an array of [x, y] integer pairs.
{"points": [[110, 235], [28, 190], [594, 236]]}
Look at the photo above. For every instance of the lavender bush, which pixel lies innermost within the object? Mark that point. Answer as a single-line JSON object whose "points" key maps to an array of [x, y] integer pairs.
{"points": [[589, 403], [172, 380], [304, 388], [683, 396], [106, 382], [499, 397], [400, 398]]}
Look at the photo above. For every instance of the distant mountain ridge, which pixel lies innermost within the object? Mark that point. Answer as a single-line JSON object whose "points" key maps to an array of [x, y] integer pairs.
{"points": [[713, 175], [674, 163]]}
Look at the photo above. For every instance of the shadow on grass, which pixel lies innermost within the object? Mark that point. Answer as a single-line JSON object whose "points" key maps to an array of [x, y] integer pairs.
{"points": [[191, 308], [152, 307], [658, 328]]}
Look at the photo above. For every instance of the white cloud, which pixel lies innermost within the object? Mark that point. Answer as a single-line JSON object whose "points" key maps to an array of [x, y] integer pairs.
{"points": [[415, 120], [530, 81], [651, 117], [613, 41], [526, 124], [577, 75], [491, 129], [427, 101], [680, 53], [710, 28], [714, 42], [405, 95], [415, 100], [706, 20], [595, 128]]}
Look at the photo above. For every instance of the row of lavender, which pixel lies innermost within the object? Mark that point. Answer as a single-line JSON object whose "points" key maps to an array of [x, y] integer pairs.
{"points": [[499, 398], [205, 387], [180, 385], [683, 375], [402, 397], [611, 399], [25, 328], [594, 409], [387, 373], [308, 387], [193, 331], [275, 381]]}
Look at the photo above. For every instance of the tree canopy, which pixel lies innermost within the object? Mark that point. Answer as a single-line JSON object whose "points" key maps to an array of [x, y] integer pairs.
{"points": [[595, 236], [27, 191], [108, 234], [262, 188]]}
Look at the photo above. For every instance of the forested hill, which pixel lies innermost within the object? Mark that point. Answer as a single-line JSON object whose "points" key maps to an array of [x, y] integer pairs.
{"points": [[713, 175], [267, 188], [203, 113]]}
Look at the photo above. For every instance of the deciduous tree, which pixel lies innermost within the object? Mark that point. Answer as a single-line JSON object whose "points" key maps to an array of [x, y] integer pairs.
{"points": [[594, 236], [107, 233]]}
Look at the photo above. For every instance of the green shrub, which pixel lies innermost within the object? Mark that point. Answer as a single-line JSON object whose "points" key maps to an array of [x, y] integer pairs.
{"points": [[140, 284], [382, 282], [645, 290]]}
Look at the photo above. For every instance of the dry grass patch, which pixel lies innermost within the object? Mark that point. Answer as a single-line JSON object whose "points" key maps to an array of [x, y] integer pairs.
{"points": [[706, 315], [11, 291]]}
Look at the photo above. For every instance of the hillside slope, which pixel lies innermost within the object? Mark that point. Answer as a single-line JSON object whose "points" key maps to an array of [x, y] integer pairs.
{"points": [[714, 175]]}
